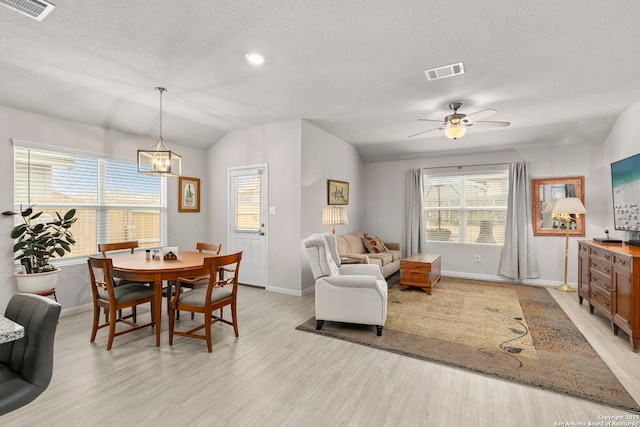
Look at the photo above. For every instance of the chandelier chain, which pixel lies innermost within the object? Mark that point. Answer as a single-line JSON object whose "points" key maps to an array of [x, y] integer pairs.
{"points": [[162, 91]]}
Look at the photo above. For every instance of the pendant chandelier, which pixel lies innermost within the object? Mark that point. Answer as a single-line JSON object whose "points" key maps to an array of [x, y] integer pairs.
{"points": [[159, 160]]}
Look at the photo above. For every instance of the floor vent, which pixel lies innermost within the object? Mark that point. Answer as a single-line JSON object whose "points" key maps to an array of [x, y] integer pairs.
{"points": [[36, 9], [446, 71]]}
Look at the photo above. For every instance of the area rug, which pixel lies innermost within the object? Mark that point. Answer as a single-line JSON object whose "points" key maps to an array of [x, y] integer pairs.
{"points": [[514, 332]]}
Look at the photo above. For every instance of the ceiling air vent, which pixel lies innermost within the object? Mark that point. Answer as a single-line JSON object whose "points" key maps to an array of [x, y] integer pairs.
{"points": [[36, 9], [446, 71]]}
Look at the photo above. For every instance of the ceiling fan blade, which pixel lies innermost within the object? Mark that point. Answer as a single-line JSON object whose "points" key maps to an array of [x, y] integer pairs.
{"points": [[489, 124], [479, 115], [433, 120], [420, 133]]}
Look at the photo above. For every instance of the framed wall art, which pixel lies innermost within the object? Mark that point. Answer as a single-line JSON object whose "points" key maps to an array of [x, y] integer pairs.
{"points": [[337, 192], [188, 194]]}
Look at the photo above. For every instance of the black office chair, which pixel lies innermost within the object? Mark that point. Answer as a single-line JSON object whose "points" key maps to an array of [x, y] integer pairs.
{"points": [[26, 365]]}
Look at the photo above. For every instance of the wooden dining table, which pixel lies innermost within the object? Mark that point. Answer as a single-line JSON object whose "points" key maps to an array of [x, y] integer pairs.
{"points": [[136, 267]]}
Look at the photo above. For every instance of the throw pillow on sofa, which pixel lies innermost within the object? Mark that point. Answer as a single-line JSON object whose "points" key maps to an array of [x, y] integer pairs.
{"points": [[373, 244]]}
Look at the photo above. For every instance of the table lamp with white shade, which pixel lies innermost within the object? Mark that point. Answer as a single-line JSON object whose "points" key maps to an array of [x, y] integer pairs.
{"points": [[334, 216]]}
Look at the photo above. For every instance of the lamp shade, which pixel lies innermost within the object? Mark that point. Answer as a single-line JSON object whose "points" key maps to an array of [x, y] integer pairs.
{"points": [[334, 215], [568, 205]]}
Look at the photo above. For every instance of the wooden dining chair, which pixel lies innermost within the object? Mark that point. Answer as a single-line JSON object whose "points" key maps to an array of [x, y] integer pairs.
{"points": [[202, 247], [105, 248], [214, 248], [221, 290], [117, 246], [112, 299]]}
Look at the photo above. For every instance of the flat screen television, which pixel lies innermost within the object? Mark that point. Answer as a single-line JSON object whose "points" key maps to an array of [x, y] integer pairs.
{"points": [[625, 182]]}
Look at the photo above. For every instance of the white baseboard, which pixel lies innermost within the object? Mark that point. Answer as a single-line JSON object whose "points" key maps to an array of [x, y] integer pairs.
{"points": [[75, 310], [495, 278]]}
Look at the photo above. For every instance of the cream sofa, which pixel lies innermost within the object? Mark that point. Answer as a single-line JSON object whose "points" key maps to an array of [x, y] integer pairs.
{"points": [[350, 245]]}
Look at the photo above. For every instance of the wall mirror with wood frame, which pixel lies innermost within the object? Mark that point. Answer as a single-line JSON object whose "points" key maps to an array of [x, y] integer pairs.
{"points": [[544, 191]]}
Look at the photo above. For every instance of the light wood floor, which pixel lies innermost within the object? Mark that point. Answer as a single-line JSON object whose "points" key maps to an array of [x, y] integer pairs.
{"points": [[273, 375]]}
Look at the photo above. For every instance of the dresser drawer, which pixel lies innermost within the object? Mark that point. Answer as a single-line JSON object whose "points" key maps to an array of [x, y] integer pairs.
{"points": [[583, 249], [600, 280], [622, 261], [601, 253], [602, 300], [600, 265]]}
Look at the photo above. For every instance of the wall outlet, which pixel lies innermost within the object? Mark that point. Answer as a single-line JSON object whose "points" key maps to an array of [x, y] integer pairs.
{"points": [[477, 258]]}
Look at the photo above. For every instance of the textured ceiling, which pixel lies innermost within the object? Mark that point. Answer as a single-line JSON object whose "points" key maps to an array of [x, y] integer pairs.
{"points": [[559, 72]]}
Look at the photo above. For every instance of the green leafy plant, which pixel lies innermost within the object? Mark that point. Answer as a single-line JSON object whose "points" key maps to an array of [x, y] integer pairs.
{"points": [[38, 240]]}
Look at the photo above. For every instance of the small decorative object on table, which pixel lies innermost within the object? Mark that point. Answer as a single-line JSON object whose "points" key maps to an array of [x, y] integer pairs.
{"points": [[170, 253]]}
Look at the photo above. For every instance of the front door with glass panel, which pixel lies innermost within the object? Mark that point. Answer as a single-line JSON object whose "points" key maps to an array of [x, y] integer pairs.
{"points": [[247, 221]]}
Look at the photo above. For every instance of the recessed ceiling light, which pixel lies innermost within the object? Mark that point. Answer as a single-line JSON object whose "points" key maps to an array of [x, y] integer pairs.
{"points": [[254, 58]]}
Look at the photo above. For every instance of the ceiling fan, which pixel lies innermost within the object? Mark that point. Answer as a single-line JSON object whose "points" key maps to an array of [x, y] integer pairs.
{"points": [[455, 125]]}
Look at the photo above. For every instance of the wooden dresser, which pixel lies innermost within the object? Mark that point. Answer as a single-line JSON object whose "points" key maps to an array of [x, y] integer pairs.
{"points": [[609, 279]]}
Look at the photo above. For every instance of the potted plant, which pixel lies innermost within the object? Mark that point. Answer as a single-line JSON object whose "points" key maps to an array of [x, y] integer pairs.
{"points": [[37, 241]]}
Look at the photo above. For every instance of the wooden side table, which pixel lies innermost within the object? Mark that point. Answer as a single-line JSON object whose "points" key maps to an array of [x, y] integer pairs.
{"points": [[421, 271]]}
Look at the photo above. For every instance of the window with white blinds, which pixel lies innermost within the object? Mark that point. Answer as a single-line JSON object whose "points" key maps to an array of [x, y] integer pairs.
{"points": [[113, 201], [466, 208]]}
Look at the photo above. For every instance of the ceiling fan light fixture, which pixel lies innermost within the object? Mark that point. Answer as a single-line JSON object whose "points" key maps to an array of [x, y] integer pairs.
{"points": [[158, 160], [455, 131]]}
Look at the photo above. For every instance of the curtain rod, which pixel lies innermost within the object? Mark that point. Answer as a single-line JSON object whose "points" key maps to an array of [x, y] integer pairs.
{"points": [[467, 166]]}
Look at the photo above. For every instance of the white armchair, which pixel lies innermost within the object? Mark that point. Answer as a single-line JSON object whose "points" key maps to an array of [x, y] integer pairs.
{"points": [[350, 293]]}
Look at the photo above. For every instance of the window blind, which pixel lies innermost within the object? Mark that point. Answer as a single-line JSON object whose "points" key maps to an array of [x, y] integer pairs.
{"points": [[466, 208], [246, 191], [113, 201]]}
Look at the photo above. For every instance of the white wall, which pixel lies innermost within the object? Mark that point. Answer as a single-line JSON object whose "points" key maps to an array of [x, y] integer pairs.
{"points": [[72, 289], [301, 158], [623, 141], [278, 145], [325, 156], [385, 202]]}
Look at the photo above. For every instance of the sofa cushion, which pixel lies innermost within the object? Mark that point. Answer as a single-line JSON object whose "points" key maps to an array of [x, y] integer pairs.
{"points": [[351, 244], [373, 243], [384, 257], [375, 261]]}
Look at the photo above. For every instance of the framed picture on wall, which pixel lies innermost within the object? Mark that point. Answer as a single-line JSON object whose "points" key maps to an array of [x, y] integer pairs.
{"points": [[188, 194], [337, 192]]}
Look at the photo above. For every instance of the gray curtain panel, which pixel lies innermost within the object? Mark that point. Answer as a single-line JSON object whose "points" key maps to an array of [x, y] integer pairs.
{"points": [[518, 259], [416, 233]]}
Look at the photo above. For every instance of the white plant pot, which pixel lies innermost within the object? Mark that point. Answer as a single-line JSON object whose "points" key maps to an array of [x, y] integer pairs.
{"points": [[37, 282]]}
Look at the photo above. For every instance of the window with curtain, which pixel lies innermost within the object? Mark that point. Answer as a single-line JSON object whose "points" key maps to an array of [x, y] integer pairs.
{"points": [[466, 207], [113, 201]]}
